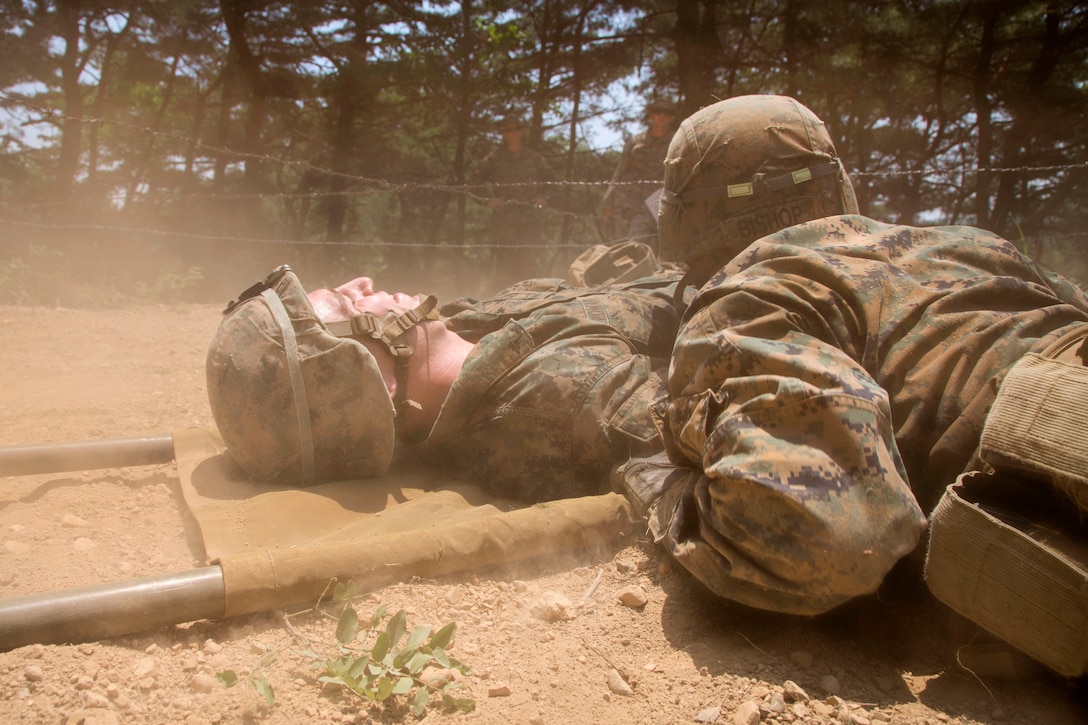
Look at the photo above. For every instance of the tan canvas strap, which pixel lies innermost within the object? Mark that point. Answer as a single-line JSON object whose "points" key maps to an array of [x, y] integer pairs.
{"points": [[386, 329], [1072, 347], [298, 386]]}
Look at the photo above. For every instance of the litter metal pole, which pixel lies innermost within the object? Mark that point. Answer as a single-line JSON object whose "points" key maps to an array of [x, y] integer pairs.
{"points": [[85, 455], [132, 606]]}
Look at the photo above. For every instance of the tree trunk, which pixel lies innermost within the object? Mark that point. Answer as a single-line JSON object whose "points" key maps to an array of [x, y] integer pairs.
{"points": [[1021, 137], [248, 67], [697, 52], [984, 112], [72, 125]]}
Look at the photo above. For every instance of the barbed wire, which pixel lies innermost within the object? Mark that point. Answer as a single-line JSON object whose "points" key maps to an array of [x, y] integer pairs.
{"points": [[200, 145], [291, 242], [373, 185], [376, 242], [50, 115]]}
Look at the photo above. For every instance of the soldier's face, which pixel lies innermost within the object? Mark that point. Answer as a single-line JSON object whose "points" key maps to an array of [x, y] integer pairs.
{"points": [[660, 123], [357, 296]]}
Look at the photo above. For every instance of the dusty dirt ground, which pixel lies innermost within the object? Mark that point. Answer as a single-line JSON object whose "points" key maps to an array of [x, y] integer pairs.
{"points": [[686, 657]]}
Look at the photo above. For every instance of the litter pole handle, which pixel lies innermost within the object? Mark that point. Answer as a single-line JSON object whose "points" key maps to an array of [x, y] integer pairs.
{"points": [[85, 455], [132, 606]]}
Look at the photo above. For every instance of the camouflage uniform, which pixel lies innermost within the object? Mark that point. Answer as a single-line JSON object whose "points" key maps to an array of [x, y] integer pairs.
{"points": [[518, 224], [559, 386], [826, 385], [641, 161]]}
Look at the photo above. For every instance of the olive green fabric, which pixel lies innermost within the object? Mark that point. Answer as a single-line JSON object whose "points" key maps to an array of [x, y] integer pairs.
{"points": [[280, 545]]}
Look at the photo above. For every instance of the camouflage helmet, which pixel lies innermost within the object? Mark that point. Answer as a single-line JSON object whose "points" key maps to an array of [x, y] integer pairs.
{"points": [[296, 404], [663, 107], [744, 168]]}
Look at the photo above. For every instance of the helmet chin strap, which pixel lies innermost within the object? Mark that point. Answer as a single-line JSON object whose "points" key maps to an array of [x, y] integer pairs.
{"points": [[387, 330]]}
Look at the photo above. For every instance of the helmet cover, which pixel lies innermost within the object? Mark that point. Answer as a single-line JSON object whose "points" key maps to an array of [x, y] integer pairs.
{"points": [[744, 168], [294, 403]]}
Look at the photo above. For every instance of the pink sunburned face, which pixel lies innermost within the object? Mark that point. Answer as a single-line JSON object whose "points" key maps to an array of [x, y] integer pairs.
{"points": [[357, 296]]}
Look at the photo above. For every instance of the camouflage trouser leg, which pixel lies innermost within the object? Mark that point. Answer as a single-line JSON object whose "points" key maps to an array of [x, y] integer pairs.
{"points": [[687, 520]]}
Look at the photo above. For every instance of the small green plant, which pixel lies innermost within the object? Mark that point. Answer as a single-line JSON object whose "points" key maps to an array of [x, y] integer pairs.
{"points": [[229, 678], [391, 661], [382, 665]]}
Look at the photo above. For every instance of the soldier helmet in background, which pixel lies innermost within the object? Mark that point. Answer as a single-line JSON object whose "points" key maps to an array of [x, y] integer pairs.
{"points": [[295, 403], [744, 168], [512, 121], [663, 107]]}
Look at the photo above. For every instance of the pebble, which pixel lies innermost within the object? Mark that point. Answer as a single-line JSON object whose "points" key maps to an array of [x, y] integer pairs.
{"points": [[33, 673], [439, 677], [83, 544], [617, 684], [16, 547], [710, 714], [632, 596], [747, 714], [552, 607], [72, 521], [202, 683], [793, 692], [498, 689], [94, 699], [829, 684], [145, 667], [773, 704]]}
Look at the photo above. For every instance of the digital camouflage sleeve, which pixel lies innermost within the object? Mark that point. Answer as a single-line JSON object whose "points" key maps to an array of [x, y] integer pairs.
{"points": [[559, 386], [826, 386]]}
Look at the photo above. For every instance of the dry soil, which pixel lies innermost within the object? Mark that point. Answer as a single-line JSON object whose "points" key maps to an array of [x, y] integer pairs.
{"points": [[683, 656]]}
